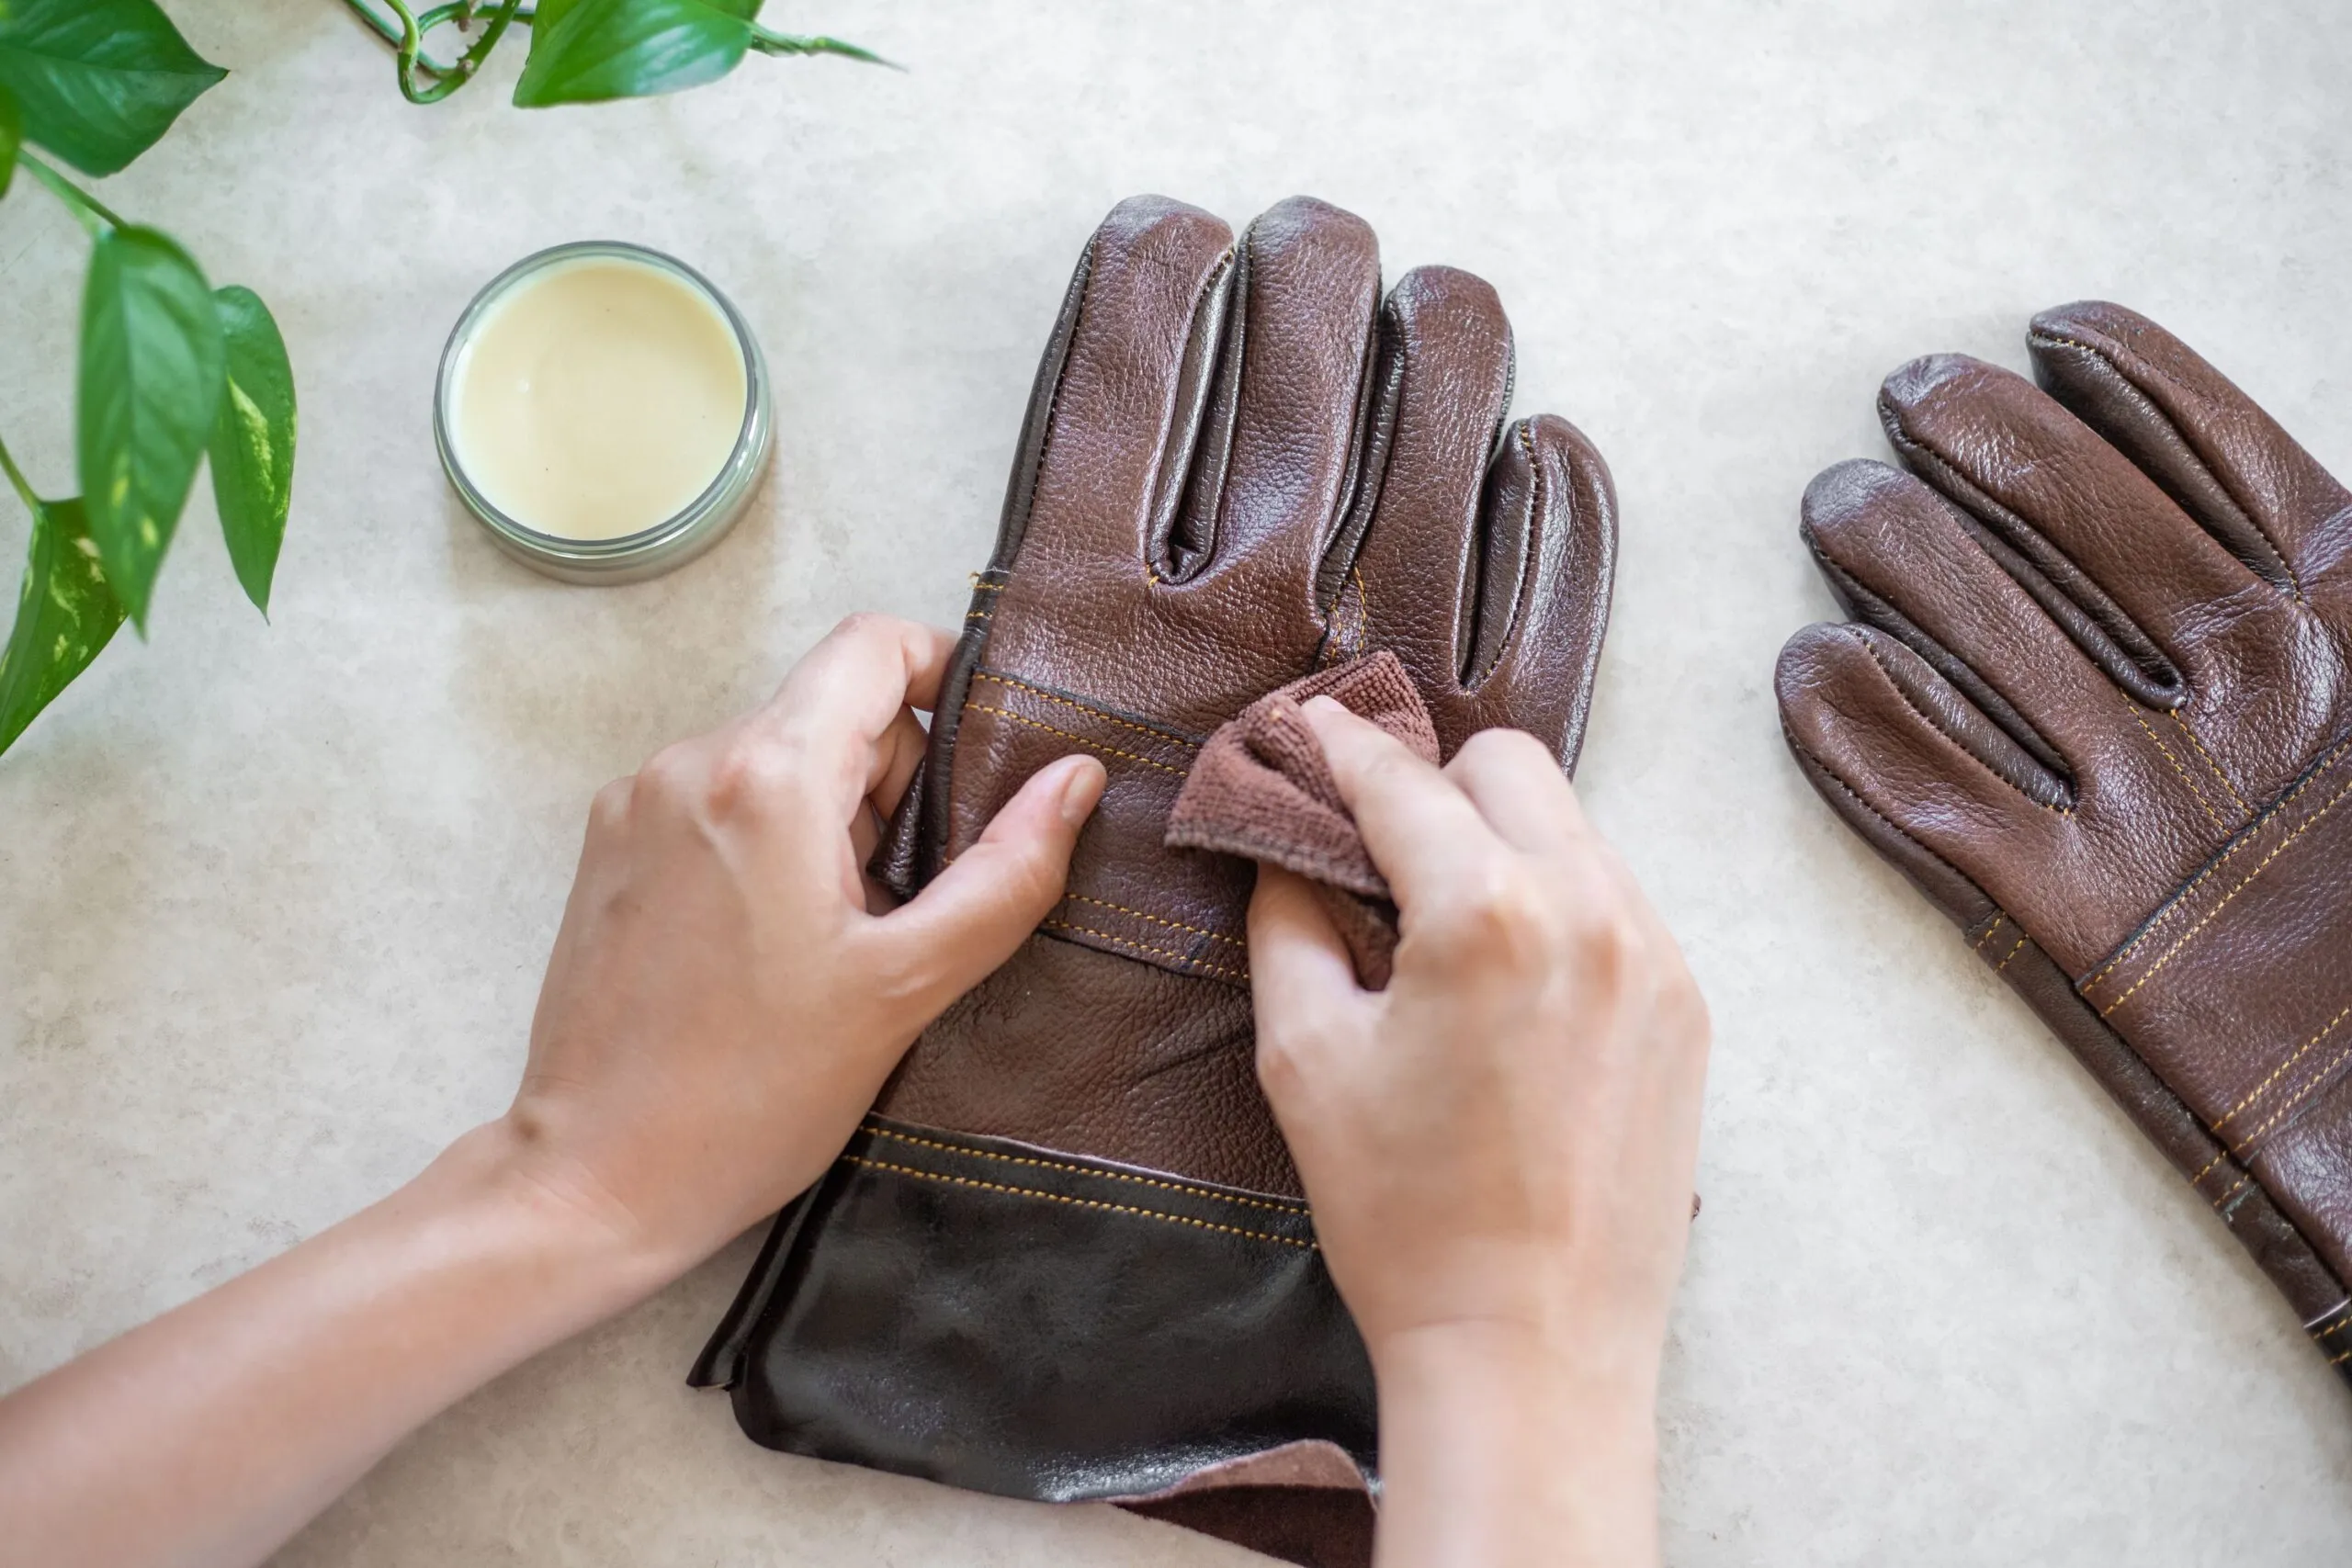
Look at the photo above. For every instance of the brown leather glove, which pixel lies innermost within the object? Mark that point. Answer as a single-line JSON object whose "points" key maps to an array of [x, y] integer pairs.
{"points": [[1069, 1256], [2095, 705]]}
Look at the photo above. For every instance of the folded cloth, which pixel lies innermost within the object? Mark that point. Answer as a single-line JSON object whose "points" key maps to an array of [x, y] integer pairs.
{"points": [[1262, 789]]}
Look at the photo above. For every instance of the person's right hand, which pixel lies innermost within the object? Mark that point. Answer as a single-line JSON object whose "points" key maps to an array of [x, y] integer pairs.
{"points": [[1499, 1147]]}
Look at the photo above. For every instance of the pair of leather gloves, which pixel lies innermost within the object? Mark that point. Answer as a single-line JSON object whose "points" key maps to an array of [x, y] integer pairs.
{"points": [[2092, 702]]}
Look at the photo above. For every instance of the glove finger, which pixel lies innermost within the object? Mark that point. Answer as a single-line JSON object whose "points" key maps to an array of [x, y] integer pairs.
{"points": [[1119, 396], [1547, 552], [1272, 469], [1404, 573], [2226, 462], [1898, 752], [2132, 578], [1902, 559]]}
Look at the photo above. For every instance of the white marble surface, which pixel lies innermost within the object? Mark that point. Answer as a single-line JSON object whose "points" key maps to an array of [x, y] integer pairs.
{"points": [[274, 899]]}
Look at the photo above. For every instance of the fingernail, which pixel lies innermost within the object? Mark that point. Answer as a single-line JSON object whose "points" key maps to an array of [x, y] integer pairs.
{"points": [[1321, 712], [1081, 789], [1325, 706]]}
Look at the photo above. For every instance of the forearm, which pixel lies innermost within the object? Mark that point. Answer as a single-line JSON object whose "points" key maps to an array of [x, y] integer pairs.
{"points": [[1497, 1452], [211, 1434]]}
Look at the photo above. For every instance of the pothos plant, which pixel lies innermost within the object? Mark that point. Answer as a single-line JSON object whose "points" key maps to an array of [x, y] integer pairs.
{"points": [[173, 373]]}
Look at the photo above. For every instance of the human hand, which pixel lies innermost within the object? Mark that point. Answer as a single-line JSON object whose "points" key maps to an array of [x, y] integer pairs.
{"points": [[729, 991], [1499, 1147], [725, 999]]}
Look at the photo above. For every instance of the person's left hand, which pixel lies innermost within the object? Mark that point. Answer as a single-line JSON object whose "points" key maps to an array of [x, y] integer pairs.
{"points": [[727, 993]]}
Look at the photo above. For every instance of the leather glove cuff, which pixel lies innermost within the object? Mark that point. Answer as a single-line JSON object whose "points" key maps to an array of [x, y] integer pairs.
{"points": [[1061, 1328]]}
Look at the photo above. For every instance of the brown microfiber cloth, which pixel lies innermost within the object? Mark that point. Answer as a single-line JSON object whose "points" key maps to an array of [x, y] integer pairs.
{"points": [[1262, 789]]}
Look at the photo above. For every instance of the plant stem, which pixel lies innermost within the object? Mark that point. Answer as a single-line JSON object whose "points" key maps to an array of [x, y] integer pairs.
{"points": [[16, 479], [367, 13], [407, 36], [468, 62], [95, 214]]}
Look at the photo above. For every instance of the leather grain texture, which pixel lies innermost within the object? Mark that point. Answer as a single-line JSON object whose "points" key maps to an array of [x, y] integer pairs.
{"points": [[2093, 699], [1241, 464]]}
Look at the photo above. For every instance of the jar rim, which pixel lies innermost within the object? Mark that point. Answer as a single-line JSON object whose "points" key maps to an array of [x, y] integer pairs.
{"points": [[649, 547]]}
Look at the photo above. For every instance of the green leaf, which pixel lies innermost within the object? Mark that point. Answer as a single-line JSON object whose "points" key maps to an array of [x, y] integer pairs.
{"points": [[545, 16], [99, 81], [12, 135], [253, 440], [584, 51], [767, 42], [150, 376], [65, 614]]}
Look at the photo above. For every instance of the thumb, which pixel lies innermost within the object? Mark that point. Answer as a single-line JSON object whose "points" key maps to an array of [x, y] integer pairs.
{"points": [[990, 898], [1311, 1014]]}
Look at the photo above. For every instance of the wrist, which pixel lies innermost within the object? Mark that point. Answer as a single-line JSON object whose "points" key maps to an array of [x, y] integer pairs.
{"points": [[1554, 1373], [584, 1243], [1517, 1312], [1505, 1443]]}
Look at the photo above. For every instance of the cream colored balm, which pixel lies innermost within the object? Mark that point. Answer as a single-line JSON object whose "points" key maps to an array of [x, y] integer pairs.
{"points": [[597, 398]]}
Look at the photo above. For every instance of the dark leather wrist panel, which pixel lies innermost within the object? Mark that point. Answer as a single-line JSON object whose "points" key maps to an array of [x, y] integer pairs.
{"points": [[1056, 1328]]}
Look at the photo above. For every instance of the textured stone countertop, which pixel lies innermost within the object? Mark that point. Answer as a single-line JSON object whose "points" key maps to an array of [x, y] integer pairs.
{"points": [[275, 899]]}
